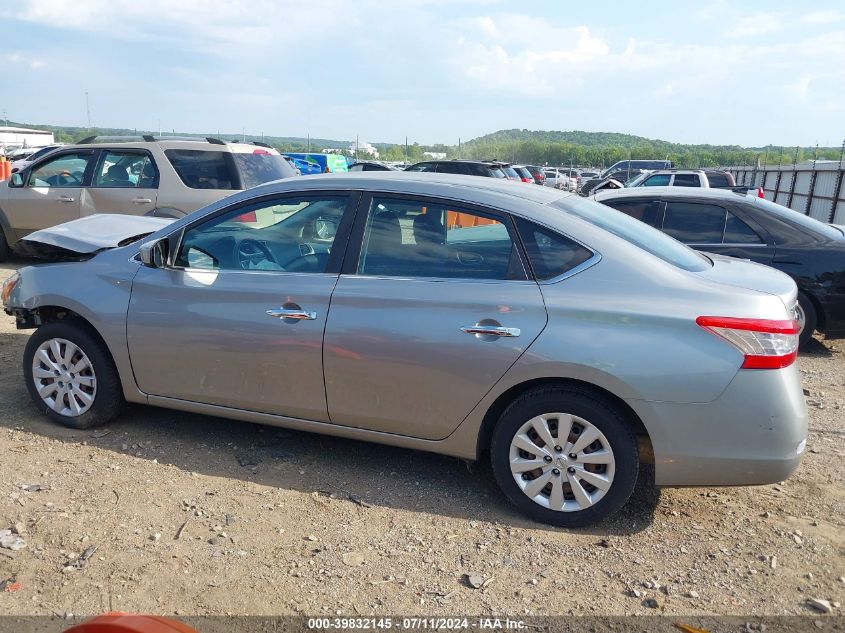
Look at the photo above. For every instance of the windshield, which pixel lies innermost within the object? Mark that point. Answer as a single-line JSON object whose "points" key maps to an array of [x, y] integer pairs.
{"points": [[634, 182], [637, 233], [256, 169], [803, 221]]}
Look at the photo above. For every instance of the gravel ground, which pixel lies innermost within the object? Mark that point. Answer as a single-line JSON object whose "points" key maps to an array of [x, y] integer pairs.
{"points": [[175, 513]]}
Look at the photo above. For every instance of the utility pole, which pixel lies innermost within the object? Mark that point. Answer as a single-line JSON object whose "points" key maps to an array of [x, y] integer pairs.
{"points": [[406, 149], [243, 134], [309, 141], [88, 110], [459, 147], [356, 147]]}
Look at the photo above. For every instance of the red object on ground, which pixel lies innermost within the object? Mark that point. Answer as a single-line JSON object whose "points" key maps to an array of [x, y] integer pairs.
{"points": [[129, 623]]}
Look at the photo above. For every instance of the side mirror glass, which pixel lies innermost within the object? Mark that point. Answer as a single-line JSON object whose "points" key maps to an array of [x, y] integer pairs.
{"points": [[154, 254], [16, 180]]}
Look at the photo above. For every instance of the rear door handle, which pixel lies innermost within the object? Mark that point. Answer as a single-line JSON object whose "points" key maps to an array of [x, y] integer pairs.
{"points": [[491, 330], [141, 200], [64, 199], [299, 315]]}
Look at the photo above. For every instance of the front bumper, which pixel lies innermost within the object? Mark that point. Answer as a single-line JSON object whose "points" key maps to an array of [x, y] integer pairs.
{"points": [[753, 433]]}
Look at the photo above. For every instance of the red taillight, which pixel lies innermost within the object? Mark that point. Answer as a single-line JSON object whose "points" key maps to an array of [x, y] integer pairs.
{"points": [[765, 343], [261, 151], [527, 179]]}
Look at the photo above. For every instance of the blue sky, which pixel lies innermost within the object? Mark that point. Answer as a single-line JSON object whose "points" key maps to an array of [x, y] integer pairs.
{"points": [[713, 71]]}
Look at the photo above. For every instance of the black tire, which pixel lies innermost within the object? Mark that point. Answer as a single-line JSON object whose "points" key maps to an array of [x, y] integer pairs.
{"points": [[811, 319], [5, 251], [589, 406], [108, 398]]}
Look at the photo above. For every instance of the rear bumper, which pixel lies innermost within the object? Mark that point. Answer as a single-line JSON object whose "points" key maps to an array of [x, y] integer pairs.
{"points": [[754, 433]]}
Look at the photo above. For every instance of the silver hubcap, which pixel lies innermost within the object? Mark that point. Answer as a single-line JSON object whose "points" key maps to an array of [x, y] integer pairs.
{"points": [[562, 462], [64, 377]]}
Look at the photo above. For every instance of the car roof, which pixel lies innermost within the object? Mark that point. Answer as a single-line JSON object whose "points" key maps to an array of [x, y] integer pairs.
{"points": [[674, 192], [492, 191]]}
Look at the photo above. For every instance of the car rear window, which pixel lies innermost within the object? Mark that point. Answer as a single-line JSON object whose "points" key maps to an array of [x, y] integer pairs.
{"points": [[201, 169], [260, 167], [496, 172], [803, 221], [637, 233]]}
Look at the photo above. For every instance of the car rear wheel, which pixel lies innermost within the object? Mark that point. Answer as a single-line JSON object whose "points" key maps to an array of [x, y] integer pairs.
{"points": [[805, 314], [565, 456], [71, 376]]}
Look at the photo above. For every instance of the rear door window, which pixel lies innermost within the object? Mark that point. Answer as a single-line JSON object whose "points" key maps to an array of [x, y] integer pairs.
{"points": [[686, 180], [449, 168], [738, 232], [694, 222], [200, 169], [647, 211], [423, 238], [422, 167], [122, 169]]}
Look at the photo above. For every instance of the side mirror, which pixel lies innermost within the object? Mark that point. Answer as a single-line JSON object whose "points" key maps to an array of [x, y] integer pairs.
{"points": [[154, 254], [16, 180]]}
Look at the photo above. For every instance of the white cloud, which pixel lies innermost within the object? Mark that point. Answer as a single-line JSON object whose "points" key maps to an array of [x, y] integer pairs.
{"points": [[755, 24], [21, 59]]}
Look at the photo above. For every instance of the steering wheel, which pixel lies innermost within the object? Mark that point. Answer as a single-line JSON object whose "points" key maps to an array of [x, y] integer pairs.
{"points": [[251, 253]]}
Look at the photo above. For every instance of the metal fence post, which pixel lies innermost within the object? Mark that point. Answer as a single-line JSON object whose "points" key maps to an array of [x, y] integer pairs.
{"points": [[837, 189], [794, 179]]}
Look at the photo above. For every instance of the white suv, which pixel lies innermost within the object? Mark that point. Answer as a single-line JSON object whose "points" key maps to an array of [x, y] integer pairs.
{"points": [[159, 176]]}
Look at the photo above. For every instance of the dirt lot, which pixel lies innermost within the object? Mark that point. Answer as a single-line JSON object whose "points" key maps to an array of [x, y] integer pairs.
{"points": [[198, 515]]}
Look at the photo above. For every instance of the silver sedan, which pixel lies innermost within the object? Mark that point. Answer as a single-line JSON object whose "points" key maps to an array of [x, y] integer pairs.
{"points": [[444, 313]]}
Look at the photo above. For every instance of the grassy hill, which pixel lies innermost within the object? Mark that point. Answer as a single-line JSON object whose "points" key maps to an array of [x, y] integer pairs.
{"points": [[551, 147]]}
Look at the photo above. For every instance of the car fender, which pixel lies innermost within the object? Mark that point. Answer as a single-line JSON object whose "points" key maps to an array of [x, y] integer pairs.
{"points": [[103, 304]]}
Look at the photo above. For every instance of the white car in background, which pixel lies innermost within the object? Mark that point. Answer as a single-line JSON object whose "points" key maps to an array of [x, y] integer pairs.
{"points": [[556, 179], [22, 159]]}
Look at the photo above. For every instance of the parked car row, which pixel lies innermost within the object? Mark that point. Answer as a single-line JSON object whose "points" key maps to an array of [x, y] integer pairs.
{"points": [[474, 317]]}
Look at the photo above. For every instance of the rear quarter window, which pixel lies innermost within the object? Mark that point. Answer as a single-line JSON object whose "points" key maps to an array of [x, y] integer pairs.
{"points": [[550, 254], [260, 167]]}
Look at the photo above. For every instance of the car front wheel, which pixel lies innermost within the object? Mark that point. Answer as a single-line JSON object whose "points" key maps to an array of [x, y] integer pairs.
{"points": [[565, 456], [71, 376]]}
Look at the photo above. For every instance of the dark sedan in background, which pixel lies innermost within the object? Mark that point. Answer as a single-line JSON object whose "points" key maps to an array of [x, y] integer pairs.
{"points": [[744, 226]]}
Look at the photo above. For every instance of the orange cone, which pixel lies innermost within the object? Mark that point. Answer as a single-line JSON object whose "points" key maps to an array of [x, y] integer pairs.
{"points": [[129, 623]]}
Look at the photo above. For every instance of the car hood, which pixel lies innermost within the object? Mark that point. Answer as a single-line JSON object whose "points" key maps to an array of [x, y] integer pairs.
{"points": [[85, 237], [743, 273]]}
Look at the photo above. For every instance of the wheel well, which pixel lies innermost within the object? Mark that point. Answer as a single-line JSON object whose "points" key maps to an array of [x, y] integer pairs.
{"points": [[821, 322], [47, 314], [498, 407]]}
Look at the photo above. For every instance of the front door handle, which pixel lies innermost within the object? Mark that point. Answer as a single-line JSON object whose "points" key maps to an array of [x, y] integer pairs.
{"points": [[491, 330], [298, 315], [141, 200], [64, 199]]}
